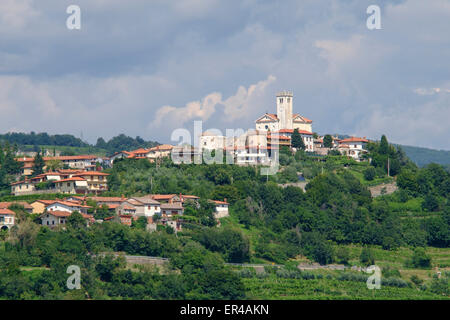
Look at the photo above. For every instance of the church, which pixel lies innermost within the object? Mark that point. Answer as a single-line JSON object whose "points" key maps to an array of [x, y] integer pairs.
{"points": [[282, 124], [284, 119]]}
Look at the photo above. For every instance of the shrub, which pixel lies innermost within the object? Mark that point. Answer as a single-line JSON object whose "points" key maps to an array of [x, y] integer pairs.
{"points": [[419, 259], [370, 173], [367, 258], [342, 255]]}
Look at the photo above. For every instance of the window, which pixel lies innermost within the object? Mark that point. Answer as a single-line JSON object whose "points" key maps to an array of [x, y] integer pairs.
{"points": [[68, 184], [281, 100], [288, 100]]}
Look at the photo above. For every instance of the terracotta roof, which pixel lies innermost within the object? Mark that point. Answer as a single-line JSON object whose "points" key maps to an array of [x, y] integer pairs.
{"points": [[91, 173], [292, 131], [5, 205], [219, 202], [296, 117], [68, 158], [162, 196], [189, 196], [71, 179], [7, 212], [108, 199], [353, 139], [270, 115], [70, 204], [47, 202], [175, 206], [140, 150], [20, 182], [57, 213], [66, 214], [145, 200]]}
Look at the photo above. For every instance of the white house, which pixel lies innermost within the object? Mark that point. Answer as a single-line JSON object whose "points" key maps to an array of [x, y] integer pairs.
{"points": [[56, 218], [354, 146], [67, 206], [6, 219], [143, 206], [221, 209]]}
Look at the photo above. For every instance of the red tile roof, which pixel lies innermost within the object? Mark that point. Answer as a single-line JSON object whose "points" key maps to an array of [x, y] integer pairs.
{"points": [[7, 212], [91, 173], [71, 179], [296, 117], [68, 158], [353, 139], [219, 202]]}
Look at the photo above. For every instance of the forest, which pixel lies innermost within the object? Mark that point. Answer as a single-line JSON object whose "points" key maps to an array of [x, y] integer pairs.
{"points": [[272, 221]]}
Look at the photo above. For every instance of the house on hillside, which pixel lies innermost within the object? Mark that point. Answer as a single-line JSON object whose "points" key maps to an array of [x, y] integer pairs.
{"points": [[221, 209], [67, 206], [55, 218], [22, 187], [172, 209], [7, 219], [143, 206], [354, 147], [26, 206]]}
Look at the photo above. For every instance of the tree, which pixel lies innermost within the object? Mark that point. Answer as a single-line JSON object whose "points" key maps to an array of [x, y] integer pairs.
{"points": [[343, 255], [367, 258], [53, 165], [384, 145], [140, 223], [38, 164], [369, 173], [419, 259], [327, 141], [76, 220], [297, 140], [430, 203]]}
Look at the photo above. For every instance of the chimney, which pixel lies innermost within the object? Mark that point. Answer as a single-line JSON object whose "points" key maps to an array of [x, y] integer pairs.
{"points": [[181, 199], [225, 199]]}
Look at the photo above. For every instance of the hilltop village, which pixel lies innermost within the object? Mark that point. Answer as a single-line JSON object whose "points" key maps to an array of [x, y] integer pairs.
{"points": [[83, 174]]}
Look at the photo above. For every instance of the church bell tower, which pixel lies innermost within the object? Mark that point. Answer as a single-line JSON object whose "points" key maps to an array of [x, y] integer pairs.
{"points": [[284, 109]]}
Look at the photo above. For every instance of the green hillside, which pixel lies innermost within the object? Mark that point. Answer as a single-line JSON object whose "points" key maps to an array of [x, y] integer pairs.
{"points": [[424, 156]]}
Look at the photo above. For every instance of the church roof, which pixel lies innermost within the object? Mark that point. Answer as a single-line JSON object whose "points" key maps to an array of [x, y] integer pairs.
{"points": [[298, 118], [271, 117]]}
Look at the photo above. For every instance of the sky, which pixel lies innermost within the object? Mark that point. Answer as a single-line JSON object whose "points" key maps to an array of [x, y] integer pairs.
{"points": [[148, 67]]}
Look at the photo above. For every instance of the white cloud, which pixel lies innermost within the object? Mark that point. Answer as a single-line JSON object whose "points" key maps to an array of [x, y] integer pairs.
{"points": [[420, 125], [242, 104], [430, 91], [16, 13]]}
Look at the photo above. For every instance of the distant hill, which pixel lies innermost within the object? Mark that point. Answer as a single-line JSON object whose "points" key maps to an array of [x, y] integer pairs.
{"points": [[420, 156], [424, 156], [70, 145]]}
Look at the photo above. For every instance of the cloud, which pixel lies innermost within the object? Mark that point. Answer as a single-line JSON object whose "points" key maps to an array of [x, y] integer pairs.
{"points": [[15, 14], [430, 91], [240, 105], [419, 124], [134, 65]]}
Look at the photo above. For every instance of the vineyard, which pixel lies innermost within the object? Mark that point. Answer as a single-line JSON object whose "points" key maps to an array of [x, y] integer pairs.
{"points": [[276, 288]]}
